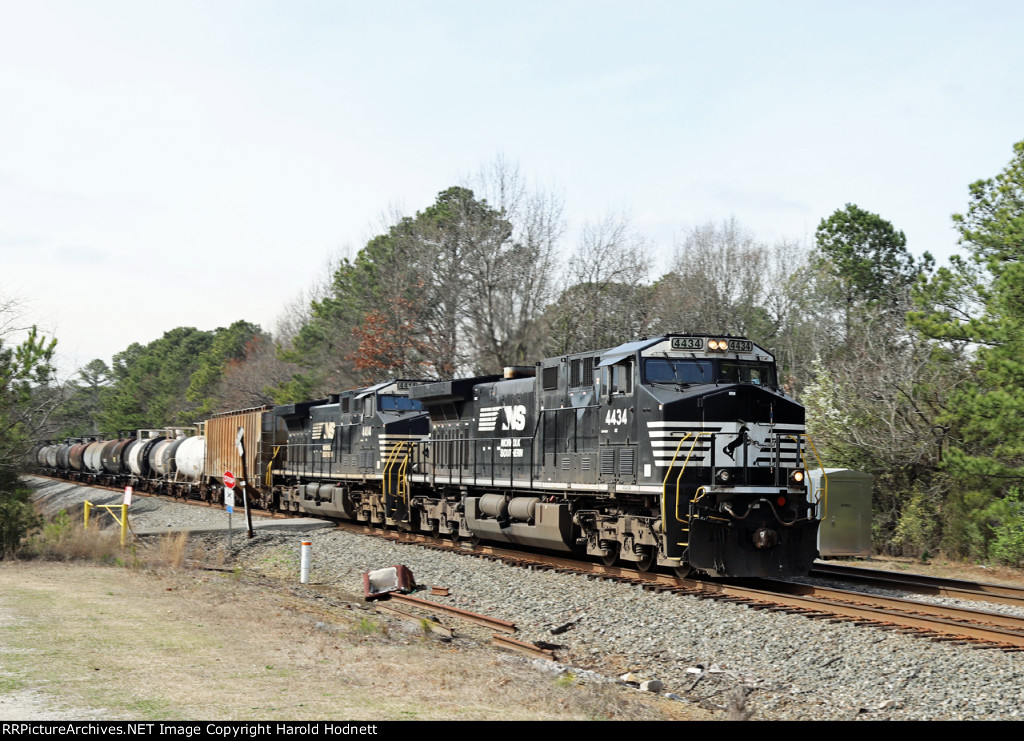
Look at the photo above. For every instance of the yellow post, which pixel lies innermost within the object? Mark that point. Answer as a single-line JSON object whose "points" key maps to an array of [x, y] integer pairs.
{"points": [[123, 521]]}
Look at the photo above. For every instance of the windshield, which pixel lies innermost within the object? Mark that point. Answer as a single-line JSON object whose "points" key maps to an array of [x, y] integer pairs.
{"points": [[741, 371], [399, 404], [669, 370]]}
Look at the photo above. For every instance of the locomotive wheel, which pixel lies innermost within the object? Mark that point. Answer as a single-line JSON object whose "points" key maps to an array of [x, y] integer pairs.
{"points": [[647, 558], [683, 570], [611, 556]]}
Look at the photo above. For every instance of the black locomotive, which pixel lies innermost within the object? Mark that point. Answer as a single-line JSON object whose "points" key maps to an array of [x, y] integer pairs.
{"points": [[678, 450], [346, 454]]}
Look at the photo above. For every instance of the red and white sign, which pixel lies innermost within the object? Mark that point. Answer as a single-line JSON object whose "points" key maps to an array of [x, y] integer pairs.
{"points": [[229, 480]]}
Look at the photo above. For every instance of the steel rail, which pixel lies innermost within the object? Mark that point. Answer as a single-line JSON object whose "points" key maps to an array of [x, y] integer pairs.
{"points": [[949, 623], [960, 614], [886, 611], [521, 647], [502, 626], [938, 586], [442, 630], [814, 601]]}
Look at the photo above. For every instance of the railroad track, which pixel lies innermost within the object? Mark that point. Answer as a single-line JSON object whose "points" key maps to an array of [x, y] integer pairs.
{"points": [[978, 628], [1004, 594], [939, 622], [942, 623]]}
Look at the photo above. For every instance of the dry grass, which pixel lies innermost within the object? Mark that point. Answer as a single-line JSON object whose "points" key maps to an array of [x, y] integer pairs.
{"points": [[144, 644], [171, 551], [65, 539], [157, 641]]}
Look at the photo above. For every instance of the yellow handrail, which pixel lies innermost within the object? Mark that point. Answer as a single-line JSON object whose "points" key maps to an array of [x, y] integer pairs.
{"points": [[270, 476], [395, 458], [403, 479], [823, 497], [703, 490], [668, 472], [682, 470], [664, 484]]}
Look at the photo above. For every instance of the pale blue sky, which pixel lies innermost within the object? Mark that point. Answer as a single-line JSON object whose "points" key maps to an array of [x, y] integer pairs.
{"points": [[194, 163]]}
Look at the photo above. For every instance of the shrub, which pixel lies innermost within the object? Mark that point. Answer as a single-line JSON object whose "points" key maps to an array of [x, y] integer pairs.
{"points": [[18, 518], [1006, 519], [917, 528]]}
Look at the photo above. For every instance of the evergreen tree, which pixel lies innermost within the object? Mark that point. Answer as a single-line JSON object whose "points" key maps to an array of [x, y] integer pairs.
{"points": [[150, 382], [229, 345], [869, 255], [439, 293], [980, 302], [26, 371], [863, 264]]}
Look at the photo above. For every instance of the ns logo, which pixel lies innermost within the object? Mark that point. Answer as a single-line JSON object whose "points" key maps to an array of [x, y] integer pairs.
{"points": [[512, 418]]}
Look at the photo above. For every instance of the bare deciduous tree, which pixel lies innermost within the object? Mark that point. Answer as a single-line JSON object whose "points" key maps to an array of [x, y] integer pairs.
{"points": [[605, 298], [512, 283]]}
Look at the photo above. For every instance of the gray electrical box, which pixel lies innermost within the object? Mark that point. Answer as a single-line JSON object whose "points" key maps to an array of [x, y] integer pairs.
{"points": [[844, 507]]}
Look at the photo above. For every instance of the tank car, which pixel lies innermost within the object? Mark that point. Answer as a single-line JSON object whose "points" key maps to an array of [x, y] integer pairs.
{"points": [[678, 450]]}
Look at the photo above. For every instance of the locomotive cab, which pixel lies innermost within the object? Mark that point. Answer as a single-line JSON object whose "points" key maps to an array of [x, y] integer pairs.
{"points": [[730, 448], [678, 450]]}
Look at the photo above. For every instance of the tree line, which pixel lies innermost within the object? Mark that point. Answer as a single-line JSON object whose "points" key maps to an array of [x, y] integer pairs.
{"points": [[909, 371]]}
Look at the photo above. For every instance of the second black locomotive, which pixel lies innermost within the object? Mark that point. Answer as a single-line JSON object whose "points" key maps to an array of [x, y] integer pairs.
{"points": [[678, 450]]}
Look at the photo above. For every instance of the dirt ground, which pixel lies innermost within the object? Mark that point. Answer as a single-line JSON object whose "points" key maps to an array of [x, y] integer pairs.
{"points": [[90, 642]]}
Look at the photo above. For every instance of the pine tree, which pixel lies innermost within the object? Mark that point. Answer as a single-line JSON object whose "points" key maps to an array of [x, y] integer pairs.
{"points": [[980, 304]]}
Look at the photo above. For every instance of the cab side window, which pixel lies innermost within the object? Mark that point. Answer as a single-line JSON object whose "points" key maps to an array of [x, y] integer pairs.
{"points": [[620, 378]]}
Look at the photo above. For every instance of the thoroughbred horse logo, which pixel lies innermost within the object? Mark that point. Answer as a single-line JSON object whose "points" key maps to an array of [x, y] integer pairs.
{"points": [[741, 439]]}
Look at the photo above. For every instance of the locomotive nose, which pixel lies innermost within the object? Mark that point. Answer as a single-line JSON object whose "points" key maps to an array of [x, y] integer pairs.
{"points": [[765, 538]]}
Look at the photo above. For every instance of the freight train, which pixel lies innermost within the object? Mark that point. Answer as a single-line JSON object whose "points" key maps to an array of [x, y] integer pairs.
{"points": [[680, 451]]}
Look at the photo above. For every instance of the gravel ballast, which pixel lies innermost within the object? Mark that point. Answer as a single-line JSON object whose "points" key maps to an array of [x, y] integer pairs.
{"points": [[768, 665]]}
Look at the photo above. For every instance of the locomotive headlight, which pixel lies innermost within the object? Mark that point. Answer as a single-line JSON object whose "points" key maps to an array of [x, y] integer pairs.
{"points": [[717, 345], [724, 476], [797, 477]]}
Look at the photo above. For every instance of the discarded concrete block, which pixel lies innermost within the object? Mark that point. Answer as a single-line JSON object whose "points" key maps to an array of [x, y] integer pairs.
{"points": [[381, 582]]}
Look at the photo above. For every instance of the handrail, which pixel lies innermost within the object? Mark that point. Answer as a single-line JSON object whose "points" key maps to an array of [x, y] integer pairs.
{"points": [[270, 464], [403, 479], [824, 476], [696, 437], [668, 472], [393, 459], [682, 470], [703, 490]]}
